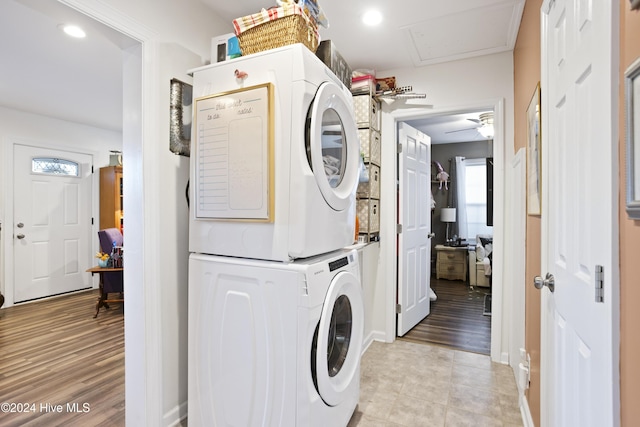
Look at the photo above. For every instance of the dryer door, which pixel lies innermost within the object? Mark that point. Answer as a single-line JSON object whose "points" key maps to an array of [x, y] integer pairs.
{"points": [[333, 148], [339, 338]]}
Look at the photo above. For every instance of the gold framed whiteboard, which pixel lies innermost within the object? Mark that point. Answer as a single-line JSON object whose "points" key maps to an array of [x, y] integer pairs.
{"points": [[234, 157]]}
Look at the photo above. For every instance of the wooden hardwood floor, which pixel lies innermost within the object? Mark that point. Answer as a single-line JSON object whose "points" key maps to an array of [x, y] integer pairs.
{"points": [[456, 319], [59, 366]]}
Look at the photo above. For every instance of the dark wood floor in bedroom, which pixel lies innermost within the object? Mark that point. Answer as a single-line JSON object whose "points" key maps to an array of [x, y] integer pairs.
{"points": [[456, 319]]}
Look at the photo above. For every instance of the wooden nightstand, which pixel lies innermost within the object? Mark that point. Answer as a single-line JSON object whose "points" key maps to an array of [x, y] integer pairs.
{"points": [[451, 262]]}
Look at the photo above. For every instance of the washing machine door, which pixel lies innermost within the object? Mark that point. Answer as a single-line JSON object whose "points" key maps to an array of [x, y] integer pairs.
{"points": [[333, 148], [339, 339]]}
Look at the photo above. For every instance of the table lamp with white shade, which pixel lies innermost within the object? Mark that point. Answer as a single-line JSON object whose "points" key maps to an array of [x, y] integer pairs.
{"points": [[448, 215]]}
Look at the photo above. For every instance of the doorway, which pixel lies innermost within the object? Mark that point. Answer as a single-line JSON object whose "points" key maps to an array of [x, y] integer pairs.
{"points": [[133, 37], [388, 188], [52, 208], [461, 307]]}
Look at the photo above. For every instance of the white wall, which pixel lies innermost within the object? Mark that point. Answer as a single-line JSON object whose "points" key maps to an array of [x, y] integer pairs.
{"points": [[482, 82], [174, 232], [174, 36], [17, 127]]}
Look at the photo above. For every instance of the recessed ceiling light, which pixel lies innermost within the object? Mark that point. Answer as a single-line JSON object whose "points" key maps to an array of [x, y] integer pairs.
{"points": [[73, 30], [372, 17]]}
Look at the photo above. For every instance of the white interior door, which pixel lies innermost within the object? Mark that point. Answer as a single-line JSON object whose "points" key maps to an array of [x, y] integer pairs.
{"points": [[414, 205], [52, 223], [579, 211]]}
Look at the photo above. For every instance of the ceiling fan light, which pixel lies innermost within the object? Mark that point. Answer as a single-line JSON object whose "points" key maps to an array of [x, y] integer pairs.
{"points": [[486, 131]]}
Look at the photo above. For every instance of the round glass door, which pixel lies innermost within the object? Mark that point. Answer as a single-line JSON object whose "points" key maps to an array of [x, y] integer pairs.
{"points": [[332, 146], [338, 340], [340, 328]]}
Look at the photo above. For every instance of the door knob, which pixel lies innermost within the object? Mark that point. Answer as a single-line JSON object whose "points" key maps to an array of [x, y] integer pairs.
{"points": [[431, 235], [20, 236], [549, 281]]}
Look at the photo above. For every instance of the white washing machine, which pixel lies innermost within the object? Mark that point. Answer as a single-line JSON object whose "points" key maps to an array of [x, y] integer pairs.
{"points": [[272, 343], [274, 158]]}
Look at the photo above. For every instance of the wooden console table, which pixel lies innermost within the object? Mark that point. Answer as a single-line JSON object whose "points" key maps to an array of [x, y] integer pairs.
{"points": [[104, 300]]}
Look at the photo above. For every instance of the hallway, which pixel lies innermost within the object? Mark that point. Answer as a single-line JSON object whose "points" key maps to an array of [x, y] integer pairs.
{"points": [[411, 384], [456, 319]]}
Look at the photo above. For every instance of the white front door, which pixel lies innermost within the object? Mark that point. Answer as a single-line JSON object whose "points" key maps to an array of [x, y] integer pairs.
{"points": [[414, 256], [579, 346], [52, 223]]}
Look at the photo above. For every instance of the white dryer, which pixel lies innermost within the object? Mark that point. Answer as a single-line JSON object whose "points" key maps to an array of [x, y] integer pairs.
{"points": [[274, 158], [272, 343]]}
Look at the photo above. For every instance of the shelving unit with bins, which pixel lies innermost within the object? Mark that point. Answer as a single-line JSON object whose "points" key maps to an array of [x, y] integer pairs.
{"points": [[367, 111], [111, 198]]}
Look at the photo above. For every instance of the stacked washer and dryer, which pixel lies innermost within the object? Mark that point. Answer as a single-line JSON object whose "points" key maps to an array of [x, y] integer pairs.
{"points": [[275, 300]]}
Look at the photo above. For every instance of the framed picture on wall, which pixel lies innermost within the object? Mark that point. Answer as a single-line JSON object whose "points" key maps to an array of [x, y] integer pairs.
{"points": [[534, 157], [632, 128]]}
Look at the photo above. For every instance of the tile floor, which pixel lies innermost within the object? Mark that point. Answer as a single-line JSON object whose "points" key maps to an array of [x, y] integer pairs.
{"points": [[411, 384]]}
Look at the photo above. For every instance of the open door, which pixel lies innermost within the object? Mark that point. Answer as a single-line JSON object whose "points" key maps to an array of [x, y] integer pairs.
{"points": [[579, 279], [414, 246]]}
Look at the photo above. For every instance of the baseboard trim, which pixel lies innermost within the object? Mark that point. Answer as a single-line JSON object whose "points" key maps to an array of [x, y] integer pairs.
{"points": [[369, 339], [527, 420], [174, 417]]}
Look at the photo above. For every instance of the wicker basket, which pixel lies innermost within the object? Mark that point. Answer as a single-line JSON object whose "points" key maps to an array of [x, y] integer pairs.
{"points": [[283, 31]]}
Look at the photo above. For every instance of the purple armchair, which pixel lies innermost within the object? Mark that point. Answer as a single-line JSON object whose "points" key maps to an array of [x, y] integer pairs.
{"points": [[112, 281]]}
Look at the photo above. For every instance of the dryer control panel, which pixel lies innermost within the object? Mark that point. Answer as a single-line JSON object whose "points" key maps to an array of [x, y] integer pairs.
{"points": [[339, 263]]}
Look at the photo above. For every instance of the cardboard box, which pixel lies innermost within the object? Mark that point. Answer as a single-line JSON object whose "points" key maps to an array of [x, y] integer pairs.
{"points": [[367, 111], [224, 47], [370, 145], [328, 54], [371, 189], [368, 211]]}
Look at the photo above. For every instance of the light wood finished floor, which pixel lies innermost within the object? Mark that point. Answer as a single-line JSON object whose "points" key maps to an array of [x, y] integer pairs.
{"points": [[53, 352], [456, 319]]}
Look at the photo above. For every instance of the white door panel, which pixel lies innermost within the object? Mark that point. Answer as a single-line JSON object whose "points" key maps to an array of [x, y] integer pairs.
{"points": [[579, 212], [414, 254], [52, 230]]}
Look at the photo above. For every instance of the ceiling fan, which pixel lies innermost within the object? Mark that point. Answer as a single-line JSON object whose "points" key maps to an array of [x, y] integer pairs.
{"points": [[484, 125]]}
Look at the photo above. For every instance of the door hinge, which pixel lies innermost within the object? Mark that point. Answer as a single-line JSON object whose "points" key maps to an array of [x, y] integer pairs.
{"points": [[91, 168], [599, 283], [399, 148], [398, 308], [92, 221], [398, 228]]}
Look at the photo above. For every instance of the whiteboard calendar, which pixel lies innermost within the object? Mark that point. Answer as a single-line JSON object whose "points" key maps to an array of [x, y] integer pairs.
{"points": [[234, 154]]}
